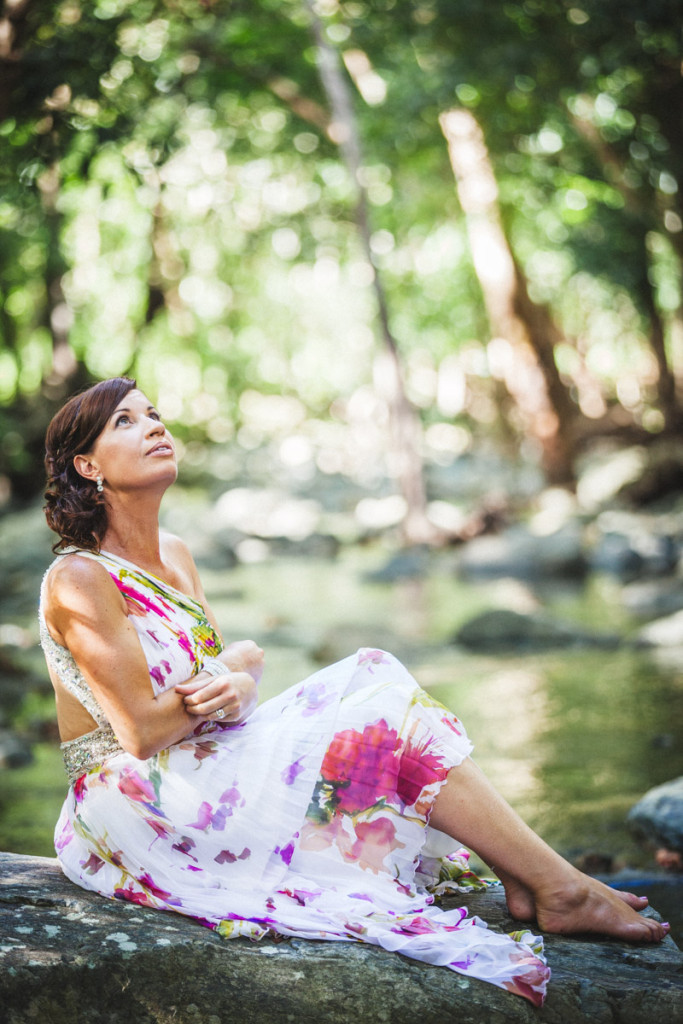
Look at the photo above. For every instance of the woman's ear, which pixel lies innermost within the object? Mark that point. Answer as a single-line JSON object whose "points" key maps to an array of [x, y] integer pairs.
{"points": [[85, 467]]}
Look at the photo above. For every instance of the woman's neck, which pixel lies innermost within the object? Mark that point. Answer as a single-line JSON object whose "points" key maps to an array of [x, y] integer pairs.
{"points": [[133, 532]]}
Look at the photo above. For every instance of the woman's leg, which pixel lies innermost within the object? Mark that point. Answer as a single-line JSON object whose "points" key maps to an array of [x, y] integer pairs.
{"points": [[538, 882]]}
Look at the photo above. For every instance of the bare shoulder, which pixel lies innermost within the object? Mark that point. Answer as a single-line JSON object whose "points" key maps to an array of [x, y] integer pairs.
{"points": [[175, 547], [75, 570], [77, 582]]}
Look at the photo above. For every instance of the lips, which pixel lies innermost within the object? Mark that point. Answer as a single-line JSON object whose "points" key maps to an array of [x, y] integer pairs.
{"points": [[162, 448]]}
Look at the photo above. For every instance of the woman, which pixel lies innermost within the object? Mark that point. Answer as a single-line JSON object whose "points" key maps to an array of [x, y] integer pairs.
{"points": [[325, 812]]}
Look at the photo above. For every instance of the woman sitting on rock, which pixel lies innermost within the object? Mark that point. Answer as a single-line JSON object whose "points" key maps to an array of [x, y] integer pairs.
{"points": [[329, 812]]}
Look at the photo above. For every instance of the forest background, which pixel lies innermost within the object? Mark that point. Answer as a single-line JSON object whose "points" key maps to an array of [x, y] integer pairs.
{"points": [[366, 235]]}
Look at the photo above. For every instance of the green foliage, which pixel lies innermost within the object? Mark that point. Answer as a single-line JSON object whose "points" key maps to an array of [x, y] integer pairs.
{"points": [[173, 205]]}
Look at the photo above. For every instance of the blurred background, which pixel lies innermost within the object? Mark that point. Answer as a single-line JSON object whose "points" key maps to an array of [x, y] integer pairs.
{"points": [[404, 279]]}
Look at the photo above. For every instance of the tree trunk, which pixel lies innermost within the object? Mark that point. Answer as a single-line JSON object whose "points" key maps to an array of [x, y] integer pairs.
{"points": [[546, 411], [405, 462], [613, 169]]}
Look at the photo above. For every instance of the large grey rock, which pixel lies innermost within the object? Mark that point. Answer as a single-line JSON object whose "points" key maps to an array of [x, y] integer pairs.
{"points": [[521, 554], [659, 815], [501, 629], [630, 556], [652, 599], [71, 957], [15, 752]]}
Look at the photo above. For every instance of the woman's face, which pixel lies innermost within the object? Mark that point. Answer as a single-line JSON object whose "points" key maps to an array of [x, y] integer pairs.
{"points": [[134, 449]]}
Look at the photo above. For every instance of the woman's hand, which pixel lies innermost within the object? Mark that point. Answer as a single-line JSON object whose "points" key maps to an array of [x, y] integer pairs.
{"points": [[229, 698], [243, 656]]}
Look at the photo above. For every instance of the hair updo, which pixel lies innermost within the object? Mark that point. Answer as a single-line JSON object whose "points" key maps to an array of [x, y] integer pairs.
{"points": [[73, 506]]}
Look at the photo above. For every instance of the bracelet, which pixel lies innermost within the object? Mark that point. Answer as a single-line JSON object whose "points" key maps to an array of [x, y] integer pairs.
{"points": [[215, 667]]}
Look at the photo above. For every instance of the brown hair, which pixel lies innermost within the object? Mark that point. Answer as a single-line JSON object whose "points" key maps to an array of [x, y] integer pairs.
{"points": [[73, 506]]}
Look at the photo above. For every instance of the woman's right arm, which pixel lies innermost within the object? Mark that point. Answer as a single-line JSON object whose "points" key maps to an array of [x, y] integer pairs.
{"points": [[86, 613]]}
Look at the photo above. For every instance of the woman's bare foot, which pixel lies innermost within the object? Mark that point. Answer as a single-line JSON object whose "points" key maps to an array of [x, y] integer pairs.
{"points": [[519, 899], [587, 905], [522, 905]]}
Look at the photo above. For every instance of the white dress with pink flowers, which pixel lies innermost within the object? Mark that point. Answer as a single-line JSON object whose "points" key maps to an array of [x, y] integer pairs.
{"points": [[309, 819]]}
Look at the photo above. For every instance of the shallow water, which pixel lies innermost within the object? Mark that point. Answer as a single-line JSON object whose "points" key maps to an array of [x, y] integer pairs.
{"points": [[571, 738]]}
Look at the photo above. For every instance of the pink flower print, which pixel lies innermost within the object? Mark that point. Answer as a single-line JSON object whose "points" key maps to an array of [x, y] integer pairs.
{"points": [[417, 925], [450, 720], [138, 602], [203, 818], [218, 819], [208, 818], [300, 895], [136, 788], [316, 698], [161, 831], [286, 853], [185, 644], [290, 773], [227, 857], [232, 797], [65, 837], [321, 837], [93, 864], [417, 769], [205, 748], [464, 965], [133, 896], [80, 788], [364, 764], [157, 640], [375, 841], [184, 846], [155, 890], [156, 674], [368, 657]]}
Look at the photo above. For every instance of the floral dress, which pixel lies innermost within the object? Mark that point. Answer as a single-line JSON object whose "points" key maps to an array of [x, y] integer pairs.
{"points": [[308, 819]]}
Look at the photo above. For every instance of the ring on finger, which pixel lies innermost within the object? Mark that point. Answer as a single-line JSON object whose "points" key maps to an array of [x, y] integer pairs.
{"points": [[219, 713]]}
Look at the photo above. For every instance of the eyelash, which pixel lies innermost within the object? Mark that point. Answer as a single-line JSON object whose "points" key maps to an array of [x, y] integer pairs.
{"points": [[125, 416]]}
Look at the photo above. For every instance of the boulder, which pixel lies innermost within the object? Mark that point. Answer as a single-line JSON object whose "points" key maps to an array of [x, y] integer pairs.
{"points": [[71, 957], [651, 599], [629, 556], [659, 815], [501, 629], [522, 554], [15, 752]]}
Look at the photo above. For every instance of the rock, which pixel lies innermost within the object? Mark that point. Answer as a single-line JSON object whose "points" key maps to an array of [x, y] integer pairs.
{"points": [[518, 552], [71, 957], [653, 598], [411, 563], [14, 751], [659, 815], [666, 632], [316, 545], [503, 630], [631, 555]]}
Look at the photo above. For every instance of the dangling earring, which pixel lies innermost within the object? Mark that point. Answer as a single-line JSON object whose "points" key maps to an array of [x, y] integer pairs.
{"points": [[100, 485]]}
